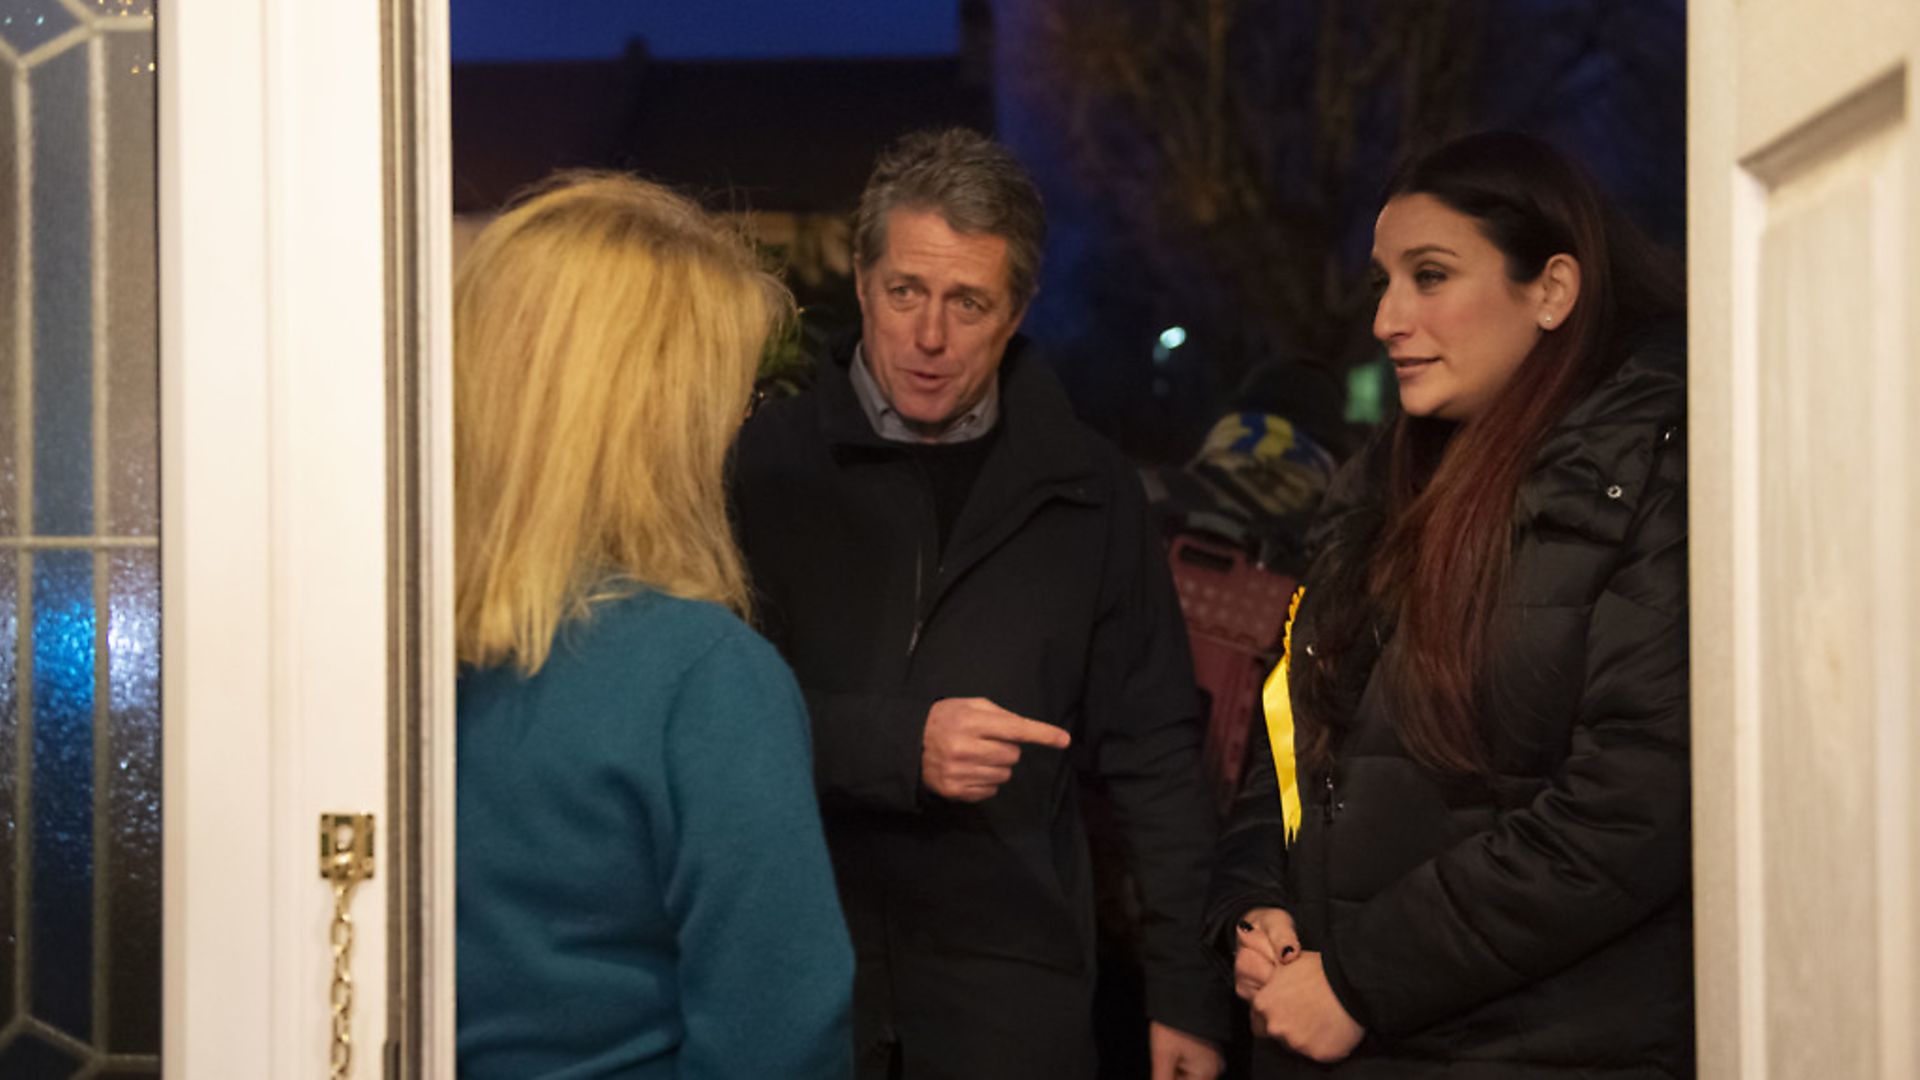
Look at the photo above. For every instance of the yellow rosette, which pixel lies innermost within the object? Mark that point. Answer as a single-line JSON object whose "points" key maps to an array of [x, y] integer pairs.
{"points": [[1277, 702]]}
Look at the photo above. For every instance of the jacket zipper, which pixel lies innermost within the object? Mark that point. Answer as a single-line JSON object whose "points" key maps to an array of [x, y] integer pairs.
{"points": [[919, 620], [920, 560], [1009, 524], [1328, 809]]}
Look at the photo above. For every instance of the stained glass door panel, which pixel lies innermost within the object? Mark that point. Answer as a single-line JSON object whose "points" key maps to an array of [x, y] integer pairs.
{"points": [[79, 542]]}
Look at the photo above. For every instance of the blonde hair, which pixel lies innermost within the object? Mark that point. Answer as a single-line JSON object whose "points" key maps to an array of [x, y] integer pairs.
{"points": [[606, 335]]}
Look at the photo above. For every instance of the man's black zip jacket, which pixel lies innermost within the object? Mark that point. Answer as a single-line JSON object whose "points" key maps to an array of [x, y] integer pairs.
{"points": [[1052, 599]]}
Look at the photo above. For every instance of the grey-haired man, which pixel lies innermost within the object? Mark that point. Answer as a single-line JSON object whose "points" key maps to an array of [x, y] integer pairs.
{"points": [[965, 581]]}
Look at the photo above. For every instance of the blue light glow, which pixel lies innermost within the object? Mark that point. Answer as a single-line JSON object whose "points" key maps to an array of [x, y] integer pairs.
{"points": [[63, 706]]}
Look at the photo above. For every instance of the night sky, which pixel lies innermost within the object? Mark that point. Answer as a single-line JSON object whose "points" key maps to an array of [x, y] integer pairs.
{"points": [[581, 29]]}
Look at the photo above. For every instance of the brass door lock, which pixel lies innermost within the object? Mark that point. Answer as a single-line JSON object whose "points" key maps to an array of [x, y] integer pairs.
{"points": [[346, 847]]}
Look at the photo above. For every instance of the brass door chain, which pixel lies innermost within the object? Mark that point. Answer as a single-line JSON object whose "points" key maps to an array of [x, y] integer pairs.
{"points": [[341, 995], [346, 860]]}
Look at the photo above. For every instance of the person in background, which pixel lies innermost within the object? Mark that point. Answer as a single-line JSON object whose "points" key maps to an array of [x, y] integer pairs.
{"points": [[1463, 847], [1260, 473], [643, 886], [1235, 518], [968, 586]]}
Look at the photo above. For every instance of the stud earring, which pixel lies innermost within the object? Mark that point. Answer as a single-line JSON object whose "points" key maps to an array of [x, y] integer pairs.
{"points": [[1546, 320]]}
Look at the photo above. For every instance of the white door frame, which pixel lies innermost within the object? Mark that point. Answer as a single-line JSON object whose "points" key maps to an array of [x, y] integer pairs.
{"points": [[274, 524]]}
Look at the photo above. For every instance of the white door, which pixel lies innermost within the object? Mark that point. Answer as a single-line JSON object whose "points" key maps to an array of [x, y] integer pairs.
{"points": [[303, 294], [1804, 246]]}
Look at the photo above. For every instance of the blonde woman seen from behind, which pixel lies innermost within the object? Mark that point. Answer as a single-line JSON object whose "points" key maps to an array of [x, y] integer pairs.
{"points": [[643, 886]]}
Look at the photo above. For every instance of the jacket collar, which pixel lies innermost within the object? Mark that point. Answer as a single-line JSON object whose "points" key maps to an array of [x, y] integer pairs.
{"points": [[1040, 449], [1038, 432], [1593, 469], [1649, 387]]}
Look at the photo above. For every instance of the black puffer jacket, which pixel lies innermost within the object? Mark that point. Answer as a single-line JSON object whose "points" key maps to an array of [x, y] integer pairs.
{"points": [[1534, 923]]}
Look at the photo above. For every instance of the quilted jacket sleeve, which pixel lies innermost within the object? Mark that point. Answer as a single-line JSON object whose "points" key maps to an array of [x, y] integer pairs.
{"points": [[1249, 869]]}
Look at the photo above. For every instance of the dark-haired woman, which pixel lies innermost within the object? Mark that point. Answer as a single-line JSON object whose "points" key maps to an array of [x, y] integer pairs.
{"points": [[1469, 856]]}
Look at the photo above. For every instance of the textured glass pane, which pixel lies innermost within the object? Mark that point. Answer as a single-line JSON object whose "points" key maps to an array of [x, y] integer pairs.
{"points": [[80, 847], [128, 10], [63, 696], [62, 298], [29, 1058], [133, 368], [133, 293], [27, 24], [9, 767], [132, 938], [10, 318]]}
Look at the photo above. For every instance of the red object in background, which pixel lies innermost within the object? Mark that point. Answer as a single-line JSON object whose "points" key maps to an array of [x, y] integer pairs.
{"points": [[1236, 612]]}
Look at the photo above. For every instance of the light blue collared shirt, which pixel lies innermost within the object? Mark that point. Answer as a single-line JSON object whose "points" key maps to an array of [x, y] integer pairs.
{"points": [[891, 426]]}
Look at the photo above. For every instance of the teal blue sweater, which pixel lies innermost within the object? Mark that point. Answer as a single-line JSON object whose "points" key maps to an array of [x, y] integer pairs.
{"points": [[643, 885]]}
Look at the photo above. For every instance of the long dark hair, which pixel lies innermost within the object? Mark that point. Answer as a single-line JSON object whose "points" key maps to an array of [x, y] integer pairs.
{"points": [[1435, 560]]}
